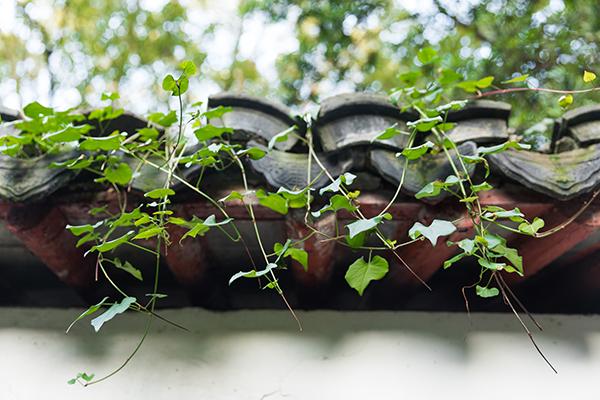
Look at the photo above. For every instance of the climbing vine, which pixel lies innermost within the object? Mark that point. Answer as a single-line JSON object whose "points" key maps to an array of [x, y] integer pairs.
{"points": [[182, 139]]}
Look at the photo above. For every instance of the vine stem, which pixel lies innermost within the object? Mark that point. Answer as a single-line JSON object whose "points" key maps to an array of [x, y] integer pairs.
{"points": [[260, 242], [509, 303], [570, 220], [519, 303], [411, 140], [361, 216], [129, 358], [172, 163], [528, 89]]}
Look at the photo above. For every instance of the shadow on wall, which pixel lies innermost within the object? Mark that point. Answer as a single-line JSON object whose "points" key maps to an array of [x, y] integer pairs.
{"points": [[326, 331]]}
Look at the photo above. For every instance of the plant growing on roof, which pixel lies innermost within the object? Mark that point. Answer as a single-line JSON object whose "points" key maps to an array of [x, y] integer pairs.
{"points": [[164, 146]]}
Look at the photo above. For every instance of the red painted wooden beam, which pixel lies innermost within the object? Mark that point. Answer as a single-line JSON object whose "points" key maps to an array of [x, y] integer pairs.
{"points": [[43, 231], [320, 251], [187, 258], [538, 253], [423, 258]]}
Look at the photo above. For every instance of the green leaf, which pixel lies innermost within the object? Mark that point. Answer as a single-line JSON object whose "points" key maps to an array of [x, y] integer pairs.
{"points": [[159, 193], [356, 241], [491, 241], [127, 267], [468, 245], [183, 85], [86, 238], [494, 266], [148, 133], [434, 188], [532, 228], [432, 232], [588, 76], [188, 68], [79, 230], [121, 174], [517, 79], [425, 124], [111, 96], [493, 212], [413, 153], [83, 376], [449, 76], [273, 201], [105, 113], [107, 143], [346, 179], [295, 198], [478, 159], [86, 377], [453, 105], [91, 310], [234, 195], [481, 187], [361, 272], [112, 244], [511, 144], [165, 120], [198, 228], [114, 310], [389, 133], [253, 273], [364, 225], [565, 100], [36, 110], [468, 86], [217, 112], [486, 292], [253, 152], [426, 55], [149, 233], [280, 137], [207, 132], [448, 263], [446, 127], [299, 255], [336, 202], [410, 77], [485, 82], [211, 221], [169, 84], [127, 218], [68, 134], [473, 86], [512, 255]]}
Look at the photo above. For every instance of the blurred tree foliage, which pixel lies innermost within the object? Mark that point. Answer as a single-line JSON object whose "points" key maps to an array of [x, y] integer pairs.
{"points": [[369, 42], [342, 45], [77, 41]]}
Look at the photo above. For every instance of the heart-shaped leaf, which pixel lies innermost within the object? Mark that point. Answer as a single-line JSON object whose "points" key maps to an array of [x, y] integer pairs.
{"points": [[361, 272], [432, 232]]}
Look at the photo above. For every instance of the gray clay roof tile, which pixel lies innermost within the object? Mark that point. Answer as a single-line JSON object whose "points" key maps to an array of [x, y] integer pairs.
{"points": [[344, 132]]}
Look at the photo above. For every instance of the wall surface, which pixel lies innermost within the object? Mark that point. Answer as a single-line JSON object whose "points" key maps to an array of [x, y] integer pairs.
{"points": [[260, 355]]}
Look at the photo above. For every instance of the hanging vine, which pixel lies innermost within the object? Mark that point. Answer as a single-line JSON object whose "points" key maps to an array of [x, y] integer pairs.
{"points": [[167, 146]]}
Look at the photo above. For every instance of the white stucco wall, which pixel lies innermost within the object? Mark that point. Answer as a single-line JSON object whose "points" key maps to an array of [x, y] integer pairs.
{"points": [[259, 355]]}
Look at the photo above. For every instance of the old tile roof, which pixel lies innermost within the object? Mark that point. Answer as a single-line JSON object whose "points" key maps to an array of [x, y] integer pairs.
{"points": [[37, 202]]}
